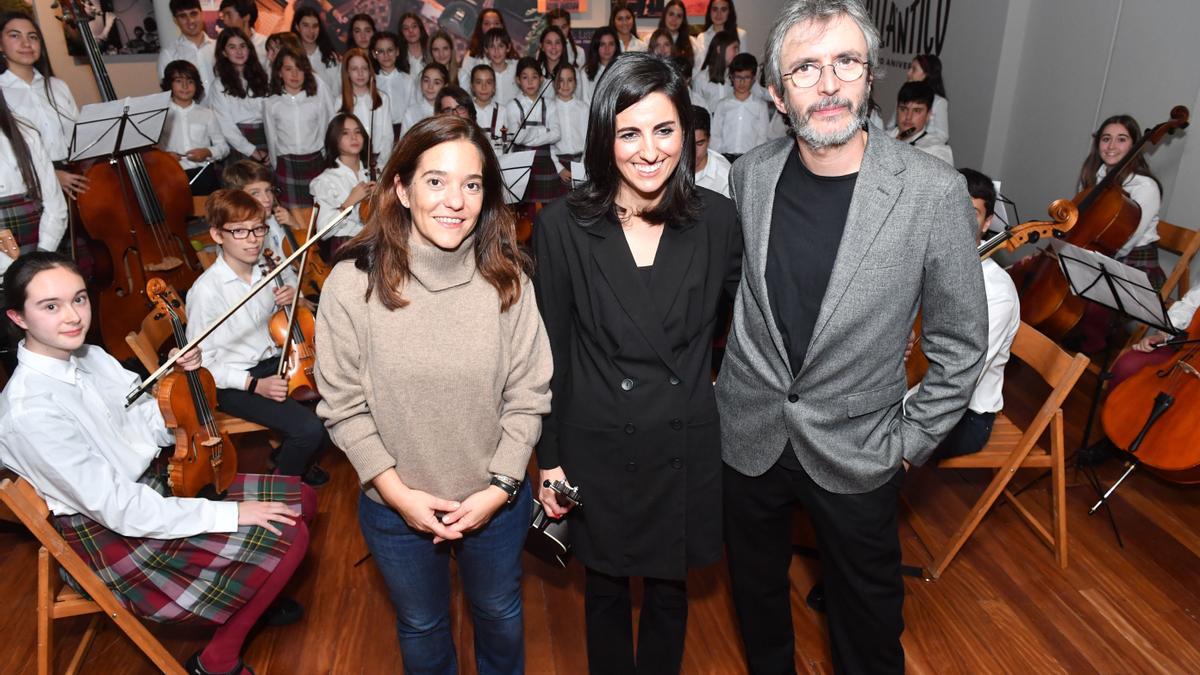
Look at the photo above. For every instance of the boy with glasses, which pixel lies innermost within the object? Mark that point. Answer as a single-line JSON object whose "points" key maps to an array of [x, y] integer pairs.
{"points": [[740, 122], [241, 354]]}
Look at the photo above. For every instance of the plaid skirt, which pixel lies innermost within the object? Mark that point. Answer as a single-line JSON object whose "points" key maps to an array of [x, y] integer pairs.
{"points": [[21, 215], [293, 173], [1145, 258], [545, 185], [204, 578], [254, 132]]}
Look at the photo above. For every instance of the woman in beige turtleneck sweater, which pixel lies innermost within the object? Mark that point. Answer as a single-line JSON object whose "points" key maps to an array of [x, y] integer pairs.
{"points": [[435, 371]]}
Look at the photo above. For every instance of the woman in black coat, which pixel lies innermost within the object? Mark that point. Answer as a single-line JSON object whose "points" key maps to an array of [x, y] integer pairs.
{"points": [[630, 270]]}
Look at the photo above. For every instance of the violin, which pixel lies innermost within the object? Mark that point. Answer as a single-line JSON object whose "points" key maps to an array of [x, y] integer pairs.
{"points": [[204, 455], [136, 210], [1107, 219], [293, 329], [1063, 216], [1153, 413], [317, 270]]}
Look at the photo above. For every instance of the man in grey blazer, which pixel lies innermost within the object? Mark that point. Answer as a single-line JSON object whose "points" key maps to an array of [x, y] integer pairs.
{"points": [[847, 234]]}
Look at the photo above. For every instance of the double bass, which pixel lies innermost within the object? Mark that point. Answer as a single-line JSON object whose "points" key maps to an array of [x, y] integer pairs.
{"points": [[136, 209], [204, 455], [1107, 219]]}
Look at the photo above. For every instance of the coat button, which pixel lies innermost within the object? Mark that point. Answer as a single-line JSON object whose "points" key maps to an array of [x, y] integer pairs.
{"points": [[629, 428], [626, 384], [676, 463], [676, 424], [631, 467], [792, 398], [674, 381]]}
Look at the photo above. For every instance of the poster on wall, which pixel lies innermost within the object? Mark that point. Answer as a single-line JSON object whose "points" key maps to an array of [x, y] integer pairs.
{"points": [[908, 29], [573, 6], [119, 26]]}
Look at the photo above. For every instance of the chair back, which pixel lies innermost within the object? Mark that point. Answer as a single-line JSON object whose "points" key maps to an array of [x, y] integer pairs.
{"points": [[1059, 369], [1183, 242]]}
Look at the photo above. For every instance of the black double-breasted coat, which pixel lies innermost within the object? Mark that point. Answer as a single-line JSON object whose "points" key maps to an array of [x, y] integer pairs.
{"points": [[634, 420]]}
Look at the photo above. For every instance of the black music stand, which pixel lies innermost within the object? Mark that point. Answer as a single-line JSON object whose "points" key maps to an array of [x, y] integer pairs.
{"points": [[115, 128]]}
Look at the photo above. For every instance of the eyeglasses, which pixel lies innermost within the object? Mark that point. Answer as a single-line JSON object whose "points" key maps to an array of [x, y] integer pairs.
{"points": [[381, 51], [460, 109], [242, 233], [847, 69], [743, 78]]}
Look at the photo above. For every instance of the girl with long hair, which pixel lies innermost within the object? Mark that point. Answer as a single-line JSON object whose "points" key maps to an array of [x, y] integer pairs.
{"points": [[362, 29], [32, 206], [424, 104], [602, 51], [622, 19], [560, 18], [713, 83], [318, 46], [344, 182], [489, 19], [441, 52], [632, 266], [295, 116], [362, 98], [390, 78], [674, 22], [551, 51], [415, 47], [718, 16], [240, 86], [661, 44], [434, 372]]}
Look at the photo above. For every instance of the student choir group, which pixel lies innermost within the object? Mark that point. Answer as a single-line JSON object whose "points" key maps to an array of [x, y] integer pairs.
{"points": [[446, 357]]}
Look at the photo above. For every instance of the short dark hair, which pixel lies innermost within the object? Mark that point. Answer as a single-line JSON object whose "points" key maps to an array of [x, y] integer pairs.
{"points": [[525, 63], [460, 96], [701, 120], [628, 80], [743, 62], [246, 8], [178, 6], [481, 67], [979, 186], [916, 92], [187, 69]]}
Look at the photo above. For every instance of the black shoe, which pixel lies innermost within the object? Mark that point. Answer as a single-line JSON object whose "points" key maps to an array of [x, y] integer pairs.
{"points": [[193, 667], [283, 612], [315, 476], [816, 597]]}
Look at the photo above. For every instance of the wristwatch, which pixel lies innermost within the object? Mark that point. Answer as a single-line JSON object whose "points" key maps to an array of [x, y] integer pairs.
{"points": [[511, 486]]}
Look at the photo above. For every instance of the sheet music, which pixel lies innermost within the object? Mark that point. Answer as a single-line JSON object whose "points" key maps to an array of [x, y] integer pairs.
{"points": [[514, 167], [96, 128], [1135, 295]]}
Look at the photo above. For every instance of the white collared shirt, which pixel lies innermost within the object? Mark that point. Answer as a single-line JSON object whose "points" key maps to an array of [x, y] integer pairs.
{"points": [[540, 124], [192, 127], [715, 175], [587, 85], [378, 123], [242, 341], [295, 124], [738, 126], [1144, 191], [1004, 318], [232, 111], [571, 119], [64, 427], [506, 82], [329, 75], [183, 49], [54, 120], [418, 110], [53, 223], [930, 144], [703, 40], [490, 117], [938, 124], [399, 87], [330, 190], [636, 44], [1182, 311]]}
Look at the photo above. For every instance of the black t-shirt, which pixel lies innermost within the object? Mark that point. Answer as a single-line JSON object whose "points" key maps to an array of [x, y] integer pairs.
{"points": [[806, 232]]}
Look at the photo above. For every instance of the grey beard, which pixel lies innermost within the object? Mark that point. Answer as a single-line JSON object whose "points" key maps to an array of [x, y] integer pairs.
{"points": [[818, 140]]}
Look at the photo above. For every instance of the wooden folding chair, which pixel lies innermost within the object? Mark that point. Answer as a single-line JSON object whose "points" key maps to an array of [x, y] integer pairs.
{"points": [[56, 600], [1183, 242], [1010, 448], [149, 339]]}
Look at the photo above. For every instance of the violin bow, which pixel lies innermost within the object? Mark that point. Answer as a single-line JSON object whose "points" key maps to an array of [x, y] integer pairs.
{"points": [[268, 278], [287, 340]]}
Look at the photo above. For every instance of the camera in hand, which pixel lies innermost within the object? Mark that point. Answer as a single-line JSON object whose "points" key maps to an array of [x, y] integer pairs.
{"points": [[547, 538]]}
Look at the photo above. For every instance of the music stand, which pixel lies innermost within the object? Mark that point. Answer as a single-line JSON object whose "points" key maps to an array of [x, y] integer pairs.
{"points": [[514, 169], [118, 127], [1096, 277]]}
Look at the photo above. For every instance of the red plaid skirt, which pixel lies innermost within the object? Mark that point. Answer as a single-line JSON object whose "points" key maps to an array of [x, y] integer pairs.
{"points": [[254, 132], [1145, 258], [199, 579], [545, 185], [293, 173], [21, 215]]}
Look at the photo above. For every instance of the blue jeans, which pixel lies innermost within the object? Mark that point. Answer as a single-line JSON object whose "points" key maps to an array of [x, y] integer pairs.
{"points": [[417, 574]]}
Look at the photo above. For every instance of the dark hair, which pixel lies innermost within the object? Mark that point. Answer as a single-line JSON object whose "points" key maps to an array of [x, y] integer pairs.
{"points": [[350, 43], [246, 8], [231, 205], [664, 33], [915, 92], [555, 14], [932, 66], [730, 24], [593, 56], [329, 54], [243, 172], [684, 66], [622, 6], [525, 63], [979, 186], [42, 65], [348, 88], [186, 69], [333, 134], [257, 83], [460, 96], [302, 62], [452, 67], [1087, 175], [177, 6], [22, 271], [441, 71], [632, 78], [543, 62], [10, 126], [402, 63], [683, 42], [714, 58], [743, 62], [480, 67], [476, 44], [420, 25], [499, 34], [382, 248], [701, 120]]}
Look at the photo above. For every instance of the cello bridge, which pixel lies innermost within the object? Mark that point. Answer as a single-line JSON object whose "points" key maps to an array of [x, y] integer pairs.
{"points": [[1189, 369], [167, 264]]}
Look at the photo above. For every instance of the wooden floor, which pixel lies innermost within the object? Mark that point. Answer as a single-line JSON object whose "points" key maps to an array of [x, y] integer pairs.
{"points": [[1002, 606]]}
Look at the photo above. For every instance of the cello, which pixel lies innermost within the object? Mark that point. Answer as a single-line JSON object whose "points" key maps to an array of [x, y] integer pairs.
{"points": [[293, 329], [204, 455], [136, 241], [1107, 219]]}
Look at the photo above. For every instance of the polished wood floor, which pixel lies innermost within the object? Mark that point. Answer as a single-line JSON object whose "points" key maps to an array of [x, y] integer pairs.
{"points": [[1002, 606]]}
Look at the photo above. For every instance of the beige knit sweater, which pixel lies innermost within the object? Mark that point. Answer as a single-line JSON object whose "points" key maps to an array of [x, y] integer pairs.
{"points": [[446, 390]]}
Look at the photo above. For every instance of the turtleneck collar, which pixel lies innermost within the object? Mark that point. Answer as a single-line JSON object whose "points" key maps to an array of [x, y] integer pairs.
{"points": [[438, 269]]}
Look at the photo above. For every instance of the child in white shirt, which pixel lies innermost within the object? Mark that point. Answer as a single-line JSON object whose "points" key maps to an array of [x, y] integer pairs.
{"points": [[390, 79], [191, 134], [571, 120], [372, 107], [433, 77], [530, 120], [488, 113], [295, 117], [741, 121], [344, 182]]}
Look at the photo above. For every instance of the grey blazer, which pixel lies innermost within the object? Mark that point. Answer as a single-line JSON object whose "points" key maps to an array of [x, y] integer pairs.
{"points": [[909, 242]]}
